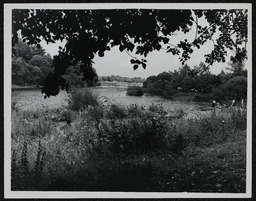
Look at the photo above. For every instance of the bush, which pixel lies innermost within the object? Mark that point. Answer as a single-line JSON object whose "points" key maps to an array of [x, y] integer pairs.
{"points": [[168, 92], [137, 135], [185, 97], [134, 91], [205, 97], [79, 99], [67, 116], [116, 112], [235, 88]]}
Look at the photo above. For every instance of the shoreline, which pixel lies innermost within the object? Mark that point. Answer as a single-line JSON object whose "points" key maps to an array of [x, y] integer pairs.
{"points": [[19, 87]]}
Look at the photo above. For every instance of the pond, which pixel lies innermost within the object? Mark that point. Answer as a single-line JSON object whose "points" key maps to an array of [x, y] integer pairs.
{"points": [[32, 99]]}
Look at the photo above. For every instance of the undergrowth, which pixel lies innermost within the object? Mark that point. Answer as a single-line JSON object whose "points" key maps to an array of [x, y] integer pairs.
{"points": [[116, 148]]}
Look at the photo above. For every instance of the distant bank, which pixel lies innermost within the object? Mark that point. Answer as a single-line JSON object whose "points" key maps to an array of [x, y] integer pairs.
{"points": [[17, 87]]}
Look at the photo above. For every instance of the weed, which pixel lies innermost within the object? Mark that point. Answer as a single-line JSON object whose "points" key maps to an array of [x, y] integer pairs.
{"points": [[116, 112], [40, 161], [14, 106], [135, 111], [80, 99], [157, 108], [239, 118]]}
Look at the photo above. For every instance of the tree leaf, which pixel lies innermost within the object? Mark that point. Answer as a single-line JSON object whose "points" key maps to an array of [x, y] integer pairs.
{"points": [[121, 48], [133, 61], [101, 53]]}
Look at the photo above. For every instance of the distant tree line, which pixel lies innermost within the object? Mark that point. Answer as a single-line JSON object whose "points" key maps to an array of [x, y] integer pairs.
{"points": [[118, 78], [31, 65], [200, 83]]}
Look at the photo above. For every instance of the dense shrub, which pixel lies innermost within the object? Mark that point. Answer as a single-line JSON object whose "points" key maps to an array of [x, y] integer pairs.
{"points": [[168, 92], [159, 87], [224, 86], [205, 97], [155, 88], [79, 99], [67, 116], [116, 112], [137, 135], [134, 91], [235, 88]]}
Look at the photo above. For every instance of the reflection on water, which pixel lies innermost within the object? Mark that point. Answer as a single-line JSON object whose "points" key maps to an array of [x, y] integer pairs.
{"points": [[34, 99]]}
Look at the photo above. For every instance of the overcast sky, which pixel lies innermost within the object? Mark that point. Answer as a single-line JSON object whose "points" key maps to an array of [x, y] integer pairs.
{"points": [[115, 62]]}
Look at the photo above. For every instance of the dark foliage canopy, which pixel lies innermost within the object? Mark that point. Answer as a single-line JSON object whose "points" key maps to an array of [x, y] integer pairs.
{"points": [[30, 65], [140, 31]]}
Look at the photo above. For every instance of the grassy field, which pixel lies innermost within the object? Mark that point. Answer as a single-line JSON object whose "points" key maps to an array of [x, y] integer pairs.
{"points": [[127, 148]]}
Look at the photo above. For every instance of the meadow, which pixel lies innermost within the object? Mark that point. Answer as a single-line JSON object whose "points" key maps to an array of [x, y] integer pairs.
{"points": [[90, 141]]}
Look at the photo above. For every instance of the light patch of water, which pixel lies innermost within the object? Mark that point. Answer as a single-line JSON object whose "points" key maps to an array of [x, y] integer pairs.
{"points": [[114, 94]]}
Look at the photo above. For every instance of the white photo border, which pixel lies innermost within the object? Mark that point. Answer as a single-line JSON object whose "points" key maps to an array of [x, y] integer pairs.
{"points": [[7, 100]]}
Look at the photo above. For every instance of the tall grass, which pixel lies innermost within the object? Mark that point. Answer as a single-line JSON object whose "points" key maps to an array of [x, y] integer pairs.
{"points": [[28, 168], [215, 128], [14, 106], [116, 148]]}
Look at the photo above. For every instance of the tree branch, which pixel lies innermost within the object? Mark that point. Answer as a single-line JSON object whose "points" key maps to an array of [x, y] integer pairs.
{"points": [[209, 28], [196, 26], [130, 54], [172, 45]]}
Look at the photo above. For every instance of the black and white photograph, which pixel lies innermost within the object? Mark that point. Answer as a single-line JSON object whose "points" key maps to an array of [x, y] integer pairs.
{"points": [[128, 100]]}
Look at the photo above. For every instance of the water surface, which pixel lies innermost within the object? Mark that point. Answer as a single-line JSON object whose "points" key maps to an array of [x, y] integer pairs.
{"points": [[32, 99]]}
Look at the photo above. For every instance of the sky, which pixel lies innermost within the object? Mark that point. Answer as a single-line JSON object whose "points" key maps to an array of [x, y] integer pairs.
{"points": [[115, 62]]}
